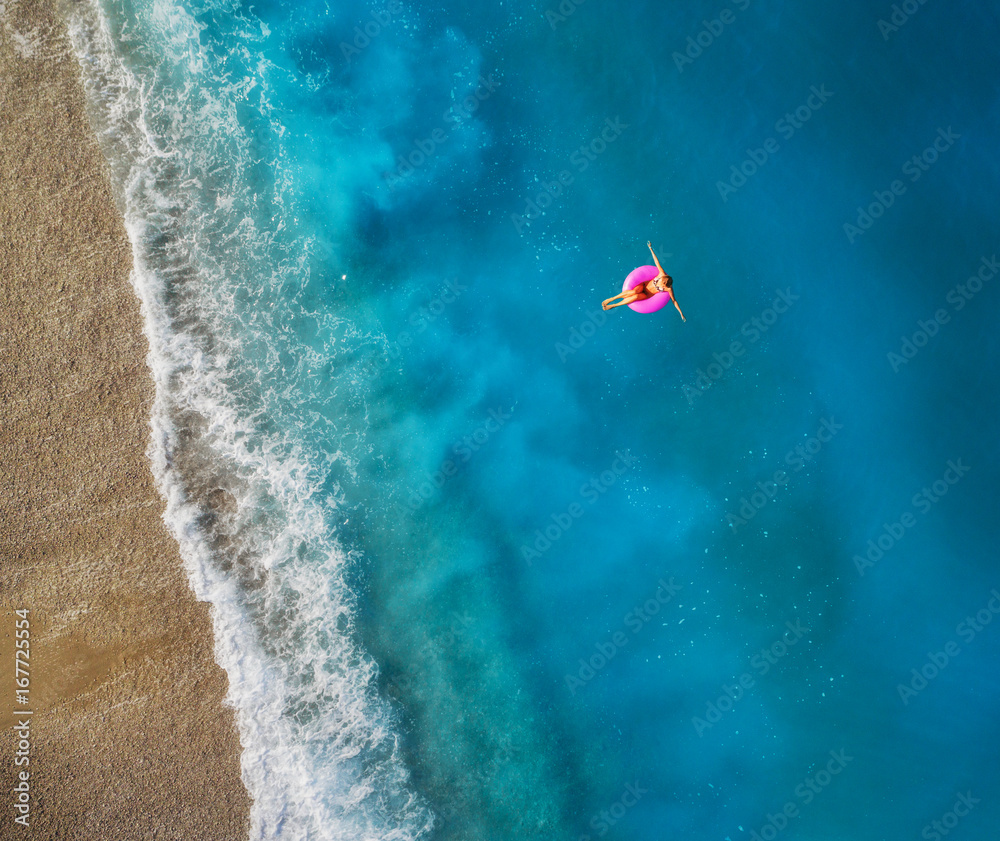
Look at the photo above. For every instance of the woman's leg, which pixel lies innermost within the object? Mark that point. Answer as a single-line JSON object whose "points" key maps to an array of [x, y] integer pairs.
{"points": [[622, 294], [627, 297]]}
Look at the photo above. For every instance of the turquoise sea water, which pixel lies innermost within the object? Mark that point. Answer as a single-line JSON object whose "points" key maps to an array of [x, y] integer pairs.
{"points": [[489, 563]]}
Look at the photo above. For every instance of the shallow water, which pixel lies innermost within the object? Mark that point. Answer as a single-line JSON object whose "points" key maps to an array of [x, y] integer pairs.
{"points": [[490, 563]]}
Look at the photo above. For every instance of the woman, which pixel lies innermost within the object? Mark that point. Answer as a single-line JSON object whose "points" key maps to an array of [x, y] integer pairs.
{"points": [[661, 283]]}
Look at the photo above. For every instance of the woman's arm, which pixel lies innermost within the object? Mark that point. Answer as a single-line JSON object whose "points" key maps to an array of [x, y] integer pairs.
{"points": [[654, 258], [678, 307]]}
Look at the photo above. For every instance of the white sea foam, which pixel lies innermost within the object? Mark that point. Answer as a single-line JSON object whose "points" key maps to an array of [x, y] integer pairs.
{"points": [[245, 496]]}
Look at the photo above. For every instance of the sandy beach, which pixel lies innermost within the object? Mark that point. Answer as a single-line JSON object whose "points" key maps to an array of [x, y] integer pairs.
{"points": [[129, 735]]}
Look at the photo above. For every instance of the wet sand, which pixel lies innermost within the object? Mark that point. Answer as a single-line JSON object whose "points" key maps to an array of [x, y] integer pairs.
{"points": [[129, 734]]}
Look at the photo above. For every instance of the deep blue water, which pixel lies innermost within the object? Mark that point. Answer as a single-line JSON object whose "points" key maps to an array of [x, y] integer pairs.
{"points": [[489, 563]]}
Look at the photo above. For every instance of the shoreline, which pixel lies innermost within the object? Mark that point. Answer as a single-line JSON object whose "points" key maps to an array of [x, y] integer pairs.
{"points": [[129, 734]]}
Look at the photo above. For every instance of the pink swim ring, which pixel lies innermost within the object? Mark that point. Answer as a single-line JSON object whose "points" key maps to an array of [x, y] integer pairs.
{"points": [[637, 277]]}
